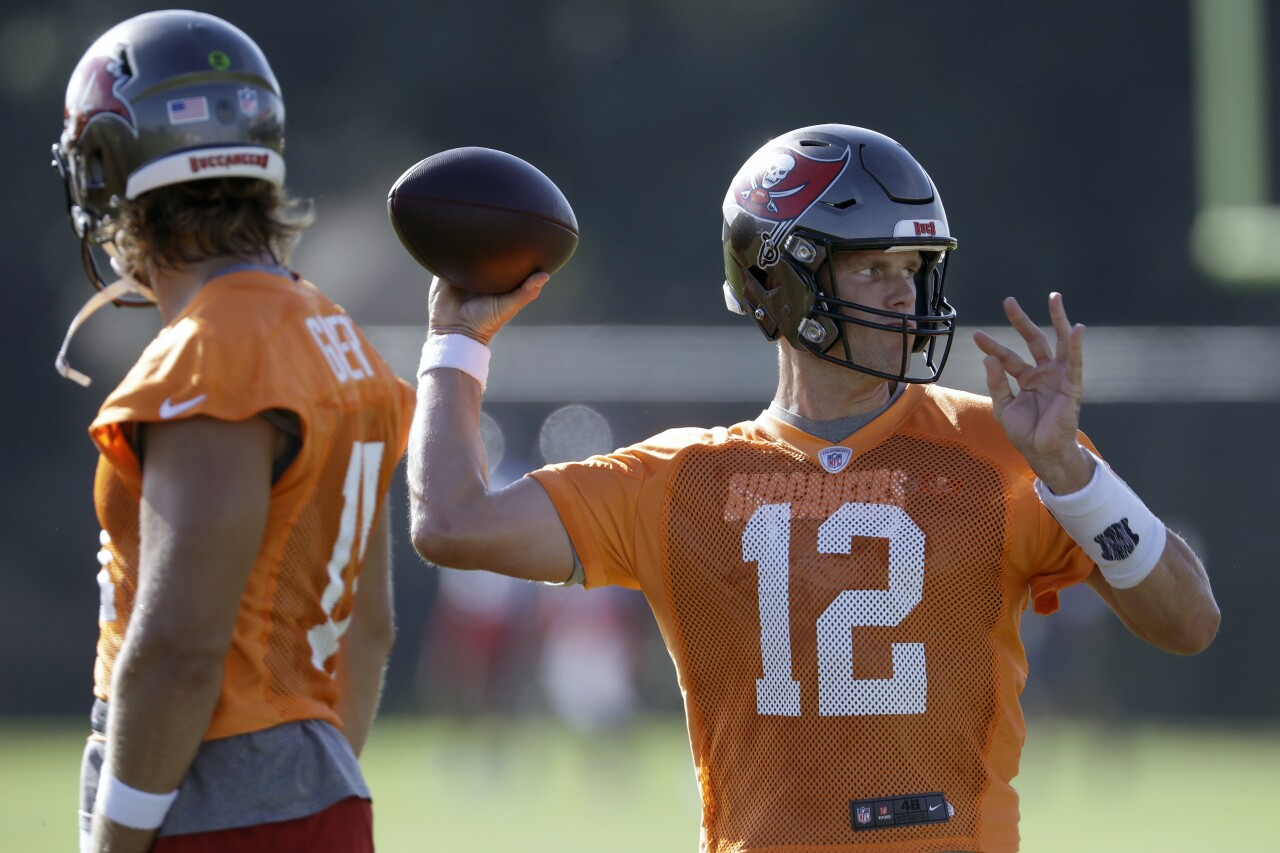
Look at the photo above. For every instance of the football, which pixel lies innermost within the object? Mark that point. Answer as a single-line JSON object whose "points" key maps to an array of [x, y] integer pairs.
{"points": [[483, 219]]}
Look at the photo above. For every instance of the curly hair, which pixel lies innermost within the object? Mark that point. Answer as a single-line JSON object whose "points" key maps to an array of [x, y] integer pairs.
{"points": [[190, 222]]}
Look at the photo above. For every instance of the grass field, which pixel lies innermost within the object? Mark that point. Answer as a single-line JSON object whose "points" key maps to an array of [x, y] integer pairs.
{"points": [[535, 787]]}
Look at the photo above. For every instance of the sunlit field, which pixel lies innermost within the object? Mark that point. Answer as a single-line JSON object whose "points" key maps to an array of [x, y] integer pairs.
{"points": [[534, 786]]}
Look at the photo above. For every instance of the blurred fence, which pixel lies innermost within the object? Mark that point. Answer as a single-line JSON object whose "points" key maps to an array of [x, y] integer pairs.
{"points": [[732, 364]]}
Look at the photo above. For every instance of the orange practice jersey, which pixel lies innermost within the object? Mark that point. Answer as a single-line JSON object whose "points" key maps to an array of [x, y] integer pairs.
{"points": [[845, 637], [248, 343]]}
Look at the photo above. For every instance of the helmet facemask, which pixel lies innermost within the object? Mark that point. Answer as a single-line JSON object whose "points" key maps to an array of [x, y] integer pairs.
{"points": [[827, 327], [93, 228]]}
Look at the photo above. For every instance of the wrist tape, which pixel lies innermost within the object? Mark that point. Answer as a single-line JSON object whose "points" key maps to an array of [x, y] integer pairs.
{"points": [[1111, 524], [457, 351], [129, 806]]}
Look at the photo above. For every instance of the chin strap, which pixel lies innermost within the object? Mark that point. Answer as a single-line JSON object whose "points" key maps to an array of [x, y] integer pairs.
{"points": [[110, 293]]}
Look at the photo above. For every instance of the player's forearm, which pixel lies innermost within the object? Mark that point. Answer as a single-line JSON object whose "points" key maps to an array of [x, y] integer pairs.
{"points": [[367, 645], [1173, 608], [111, 837], [447, 471], [365, 667], [161, 704]]}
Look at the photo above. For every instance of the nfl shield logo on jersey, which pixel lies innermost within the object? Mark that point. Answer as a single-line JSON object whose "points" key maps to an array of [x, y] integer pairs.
{"points": [[863, 816], [834, 459]]}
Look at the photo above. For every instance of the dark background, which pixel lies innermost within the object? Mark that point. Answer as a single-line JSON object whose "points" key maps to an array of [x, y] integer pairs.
{"points": [[1061, 137]]}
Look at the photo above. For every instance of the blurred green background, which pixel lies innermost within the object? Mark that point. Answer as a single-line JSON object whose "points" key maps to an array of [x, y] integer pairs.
{"points": [[536, 785], [1121, 153]]}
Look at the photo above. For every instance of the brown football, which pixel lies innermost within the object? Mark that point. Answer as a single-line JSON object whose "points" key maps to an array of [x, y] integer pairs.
{"points": [[483, 219]]}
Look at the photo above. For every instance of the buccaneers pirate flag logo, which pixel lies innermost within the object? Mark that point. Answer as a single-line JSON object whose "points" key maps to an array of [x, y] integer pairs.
{"points": [[94, 92], [778, 185]]}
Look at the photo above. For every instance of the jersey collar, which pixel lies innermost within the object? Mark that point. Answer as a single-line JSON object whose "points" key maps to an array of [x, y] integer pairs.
{"points": [[861, 441]]}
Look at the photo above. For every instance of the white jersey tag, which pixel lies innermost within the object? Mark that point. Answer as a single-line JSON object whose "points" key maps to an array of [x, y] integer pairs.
{"points": [[834, 459]]}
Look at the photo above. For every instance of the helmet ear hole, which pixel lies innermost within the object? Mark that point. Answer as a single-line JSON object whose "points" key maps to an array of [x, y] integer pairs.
{"points": [[95, 174], [762, 279]]}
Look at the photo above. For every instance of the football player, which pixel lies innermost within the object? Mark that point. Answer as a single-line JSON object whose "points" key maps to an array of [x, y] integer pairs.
{"points": [[245, 461], [840, 580]]}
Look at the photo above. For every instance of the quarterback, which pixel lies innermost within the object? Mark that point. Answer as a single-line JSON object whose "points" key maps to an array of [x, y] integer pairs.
{"points": [[840, 580], [245, 617]]}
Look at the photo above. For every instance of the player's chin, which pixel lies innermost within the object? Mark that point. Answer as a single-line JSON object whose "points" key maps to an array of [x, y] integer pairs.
{"points": [[891, 357]]}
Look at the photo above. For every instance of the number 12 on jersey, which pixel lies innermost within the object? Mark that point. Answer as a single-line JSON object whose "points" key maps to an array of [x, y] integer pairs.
{"points": [[766, 541]]}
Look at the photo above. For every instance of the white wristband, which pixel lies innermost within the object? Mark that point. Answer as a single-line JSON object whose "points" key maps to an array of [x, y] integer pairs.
{"points": [[1111, 524], [129, 806], [457, 351]]}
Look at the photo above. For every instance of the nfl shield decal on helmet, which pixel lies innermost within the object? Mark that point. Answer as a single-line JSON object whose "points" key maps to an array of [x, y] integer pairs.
{"points": [[834, 459], [248, 98]]}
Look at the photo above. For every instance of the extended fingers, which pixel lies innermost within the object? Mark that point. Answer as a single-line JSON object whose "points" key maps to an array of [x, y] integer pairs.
{"points": [[1008, 360], [1070, 340], [997, 384], [1036, 340], [1075, 358], [1061, 326]]}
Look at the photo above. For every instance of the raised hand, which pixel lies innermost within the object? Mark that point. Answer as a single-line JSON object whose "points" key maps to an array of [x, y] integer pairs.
{"points": [[479, 316], [1043, 417]]}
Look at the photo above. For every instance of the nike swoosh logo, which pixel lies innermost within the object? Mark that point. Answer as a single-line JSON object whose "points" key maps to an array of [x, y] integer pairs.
{"points": [[172, 410], [935, 808]]}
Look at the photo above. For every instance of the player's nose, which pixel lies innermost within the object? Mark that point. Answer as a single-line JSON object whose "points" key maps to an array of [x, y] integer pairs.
{"points": [[901, 295]]}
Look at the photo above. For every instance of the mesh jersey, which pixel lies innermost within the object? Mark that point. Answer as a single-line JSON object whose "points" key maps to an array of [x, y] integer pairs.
{"points": [[250, 342], [837, 636]]}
